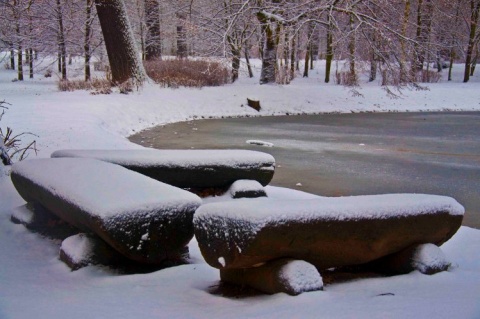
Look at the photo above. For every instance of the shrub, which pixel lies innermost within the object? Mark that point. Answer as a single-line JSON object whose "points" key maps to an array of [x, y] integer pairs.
{"points": [[101, 86], [185, 72]]}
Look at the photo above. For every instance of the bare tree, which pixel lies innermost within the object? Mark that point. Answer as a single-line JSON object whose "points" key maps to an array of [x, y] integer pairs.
{"points": [[88, 38], [472, 39], [123, 56], [153, 46], [271, 22]]}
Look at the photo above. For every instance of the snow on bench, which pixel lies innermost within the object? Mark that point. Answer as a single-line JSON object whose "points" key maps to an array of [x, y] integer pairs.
{"points": [[188, 168], [143, 219], [326, 232]]}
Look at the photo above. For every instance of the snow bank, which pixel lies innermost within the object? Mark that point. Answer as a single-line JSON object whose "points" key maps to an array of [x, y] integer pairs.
{"points": [[35, 284]]}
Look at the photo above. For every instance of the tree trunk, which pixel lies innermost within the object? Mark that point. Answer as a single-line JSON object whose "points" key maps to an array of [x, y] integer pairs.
{"points": [[308, 54], [329, 50], [30, 62], [122, 54], [141, 13], [286, 49], [19, 43], [20, 62], [249, 66], [269, 61], [293, 57], [181, 37], [351, 51], [88, 35], [450, 67], [373, 56], [12, 59], [373, 67], [307, 58], [235, 63], [418, 55], [261, 43], [474, 64], [312, 57], [314, 46], [61, 41], [403, 56], [429, 8], [30, 50], [475, 8], [59, 62], [153, 46]]}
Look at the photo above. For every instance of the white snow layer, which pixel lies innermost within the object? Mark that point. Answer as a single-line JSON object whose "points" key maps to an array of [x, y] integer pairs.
{"points": [[264, 211], [79, 248], [104, 189], [301, 276], [245, 185], [34, 283], [428, 256], [177, 158]]}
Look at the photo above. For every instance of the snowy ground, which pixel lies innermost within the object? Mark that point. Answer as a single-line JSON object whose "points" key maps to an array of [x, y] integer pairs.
{"points": [[35, 284]]}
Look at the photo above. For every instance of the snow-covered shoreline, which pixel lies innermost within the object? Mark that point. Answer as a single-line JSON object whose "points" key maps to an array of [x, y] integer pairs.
{"points": [[105, 121], [34, 283]]}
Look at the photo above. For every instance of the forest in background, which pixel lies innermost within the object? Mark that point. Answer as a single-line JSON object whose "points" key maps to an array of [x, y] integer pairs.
{"points": [[404, 41]]}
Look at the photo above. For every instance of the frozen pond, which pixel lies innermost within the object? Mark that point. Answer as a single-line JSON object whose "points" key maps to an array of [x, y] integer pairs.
{"points": [[351, 154]]}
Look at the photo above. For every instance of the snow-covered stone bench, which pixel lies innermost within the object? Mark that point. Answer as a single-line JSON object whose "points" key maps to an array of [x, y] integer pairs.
{"points": [[188, 168], [143, 219], [326, 232]]}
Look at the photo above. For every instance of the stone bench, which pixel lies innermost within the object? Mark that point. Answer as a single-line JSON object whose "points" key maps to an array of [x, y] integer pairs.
{"points": [[143, 219], [188, 168], [326, 232]]}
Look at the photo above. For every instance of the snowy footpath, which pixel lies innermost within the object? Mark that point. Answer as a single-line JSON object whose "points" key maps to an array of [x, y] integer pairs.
{"points": [[34, 283]]}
